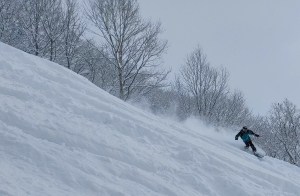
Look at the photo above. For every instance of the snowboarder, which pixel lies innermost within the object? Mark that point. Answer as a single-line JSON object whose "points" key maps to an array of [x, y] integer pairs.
{"points": [[244, 134]]}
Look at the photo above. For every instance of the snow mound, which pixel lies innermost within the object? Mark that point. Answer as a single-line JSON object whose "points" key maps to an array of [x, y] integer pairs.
{"points": [[61, 135]]}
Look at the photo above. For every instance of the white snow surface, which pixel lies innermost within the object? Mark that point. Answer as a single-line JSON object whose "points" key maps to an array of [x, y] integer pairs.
{"points": [[61, 135]]}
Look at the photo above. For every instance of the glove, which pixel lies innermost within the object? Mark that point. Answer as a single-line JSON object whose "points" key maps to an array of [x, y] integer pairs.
{"points": [[256, 135], [236, 138]]}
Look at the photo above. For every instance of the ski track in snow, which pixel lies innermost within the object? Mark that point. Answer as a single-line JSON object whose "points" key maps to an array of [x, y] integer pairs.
{"points": [[61, 135]]}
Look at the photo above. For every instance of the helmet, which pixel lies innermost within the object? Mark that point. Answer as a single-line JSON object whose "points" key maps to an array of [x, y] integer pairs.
{"points": [[244, 127]]}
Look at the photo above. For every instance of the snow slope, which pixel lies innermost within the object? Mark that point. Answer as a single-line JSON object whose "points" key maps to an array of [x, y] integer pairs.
{"points": [[61, 135]]}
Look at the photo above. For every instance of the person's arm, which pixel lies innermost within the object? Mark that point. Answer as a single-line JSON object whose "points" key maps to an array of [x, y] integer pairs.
{"points": [[237, 135], [252, 133]]}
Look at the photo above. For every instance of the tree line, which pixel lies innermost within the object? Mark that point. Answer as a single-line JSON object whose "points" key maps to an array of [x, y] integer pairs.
{"points": [[124, 57]]}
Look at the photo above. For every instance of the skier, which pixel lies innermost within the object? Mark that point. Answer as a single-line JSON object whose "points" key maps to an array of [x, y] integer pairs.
{"points": [[244, 134]]}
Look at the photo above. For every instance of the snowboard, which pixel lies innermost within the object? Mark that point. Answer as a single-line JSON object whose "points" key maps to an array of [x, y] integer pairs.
{"points": [[259, 154]]}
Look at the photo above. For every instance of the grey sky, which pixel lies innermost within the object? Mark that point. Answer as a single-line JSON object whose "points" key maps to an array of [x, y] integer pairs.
{"points": [[257, 41]]}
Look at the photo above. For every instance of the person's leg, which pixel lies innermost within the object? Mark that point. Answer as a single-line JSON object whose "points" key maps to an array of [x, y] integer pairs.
{"points": [[247, 145], [252, 146]]}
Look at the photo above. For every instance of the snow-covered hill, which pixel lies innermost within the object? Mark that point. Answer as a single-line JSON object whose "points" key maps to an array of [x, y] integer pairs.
{"points": [[61, 135]]}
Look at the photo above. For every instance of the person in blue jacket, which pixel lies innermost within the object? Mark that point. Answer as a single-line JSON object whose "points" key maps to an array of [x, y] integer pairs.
{"points": [[244, 134]]}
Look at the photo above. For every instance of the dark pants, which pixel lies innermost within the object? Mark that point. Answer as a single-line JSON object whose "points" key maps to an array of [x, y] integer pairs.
{"points": [[249, 143]]}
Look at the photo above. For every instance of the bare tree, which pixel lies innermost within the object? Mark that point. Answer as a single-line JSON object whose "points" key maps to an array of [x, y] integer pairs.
{"points": [[9, 31], [206, 84], [132, 45], [72, 34], [31, 23], [6, 15], [53, 27], [232, 110], [285, 125], [96, 67], [185, 102], [266, 141]]}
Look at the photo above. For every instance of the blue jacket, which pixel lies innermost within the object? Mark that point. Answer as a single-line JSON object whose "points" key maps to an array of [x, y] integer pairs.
{"points": [[244, 134]]}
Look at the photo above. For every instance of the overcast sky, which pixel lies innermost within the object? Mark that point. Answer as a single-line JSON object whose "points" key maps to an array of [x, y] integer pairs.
{"points": [[257, 41]]}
